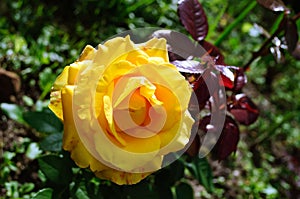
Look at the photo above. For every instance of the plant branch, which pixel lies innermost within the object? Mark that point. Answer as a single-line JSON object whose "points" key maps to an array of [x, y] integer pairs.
{"points": [[280, 28]]}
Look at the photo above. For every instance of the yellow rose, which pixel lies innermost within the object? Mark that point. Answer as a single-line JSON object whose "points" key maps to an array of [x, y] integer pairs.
{"points": [[124, 108]]}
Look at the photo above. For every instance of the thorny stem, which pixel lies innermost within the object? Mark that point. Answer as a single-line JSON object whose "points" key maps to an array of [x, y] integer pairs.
{"points": [[256, 54]]}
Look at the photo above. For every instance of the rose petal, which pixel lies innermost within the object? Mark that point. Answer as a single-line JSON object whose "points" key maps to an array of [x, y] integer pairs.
{"points": [[156, 48], [120, 177], [55, 96], [70, 137]]}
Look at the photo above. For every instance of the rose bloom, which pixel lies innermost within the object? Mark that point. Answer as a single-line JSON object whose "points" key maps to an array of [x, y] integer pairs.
{"points": [[124, 108]]}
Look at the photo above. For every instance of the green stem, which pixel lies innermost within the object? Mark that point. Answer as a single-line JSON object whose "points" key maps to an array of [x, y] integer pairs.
{"points": [[277, 23], [231, 26]]}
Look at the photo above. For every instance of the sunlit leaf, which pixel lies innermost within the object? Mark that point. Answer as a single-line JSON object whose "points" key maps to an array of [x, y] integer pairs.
{"points": [[43, 194], [233, 77], [33, 151], [193, 18], [274, 5], [13, 111], [226, 75], [189, 66], [81, 193]]}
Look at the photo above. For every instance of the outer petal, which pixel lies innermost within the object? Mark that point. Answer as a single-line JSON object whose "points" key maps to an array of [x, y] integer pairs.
{"points": [[120, 177], [55, 95], [156, 48], [88, 53], [67, 76], [70, 138], [113, 50], [84, 159]]}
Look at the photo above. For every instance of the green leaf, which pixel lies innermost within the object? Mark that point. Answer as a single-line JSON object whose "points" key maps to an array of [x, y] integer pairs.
{"points": [[141, 190], [81, 193], [43, 194], [200, 169], [12, 189], [13, 111], [184, 191], [45, 122], [111, 191], [52, 142], [177, 170], [57, 169], [27, 187]]}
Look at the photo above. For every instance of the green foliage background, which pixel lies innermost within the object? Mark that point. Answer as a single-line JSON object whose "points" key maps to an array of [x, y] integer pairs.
{"points": [[39, 38]]}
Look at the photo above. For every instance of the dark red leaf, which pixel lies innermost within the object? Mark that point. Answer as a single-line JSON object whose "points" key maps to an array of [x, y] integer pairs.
{"points": [[293, 160], [232, 77], [274, 5], [240, 79], [204, 87], [243, 109], [225, 81], [180, 46], [291, 35], [193, 18], [296, 52], [214, 52], [228, 140], [204, 122], [193, 149]]}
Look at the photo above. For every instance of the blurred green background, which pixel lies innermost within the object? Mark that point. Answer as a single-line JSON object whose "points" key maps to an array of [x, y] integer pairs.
{"points": [[39, 38]]}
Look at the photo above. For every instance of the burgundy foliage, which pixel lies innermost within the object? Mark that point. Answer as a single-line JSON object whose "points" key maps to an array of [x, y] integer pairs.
{"points": [[213, 52], [204, 67], [291, 35], [202, 76], [274, 5], [296, 52], [228, 140], [193, 18], [243, 109]]}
